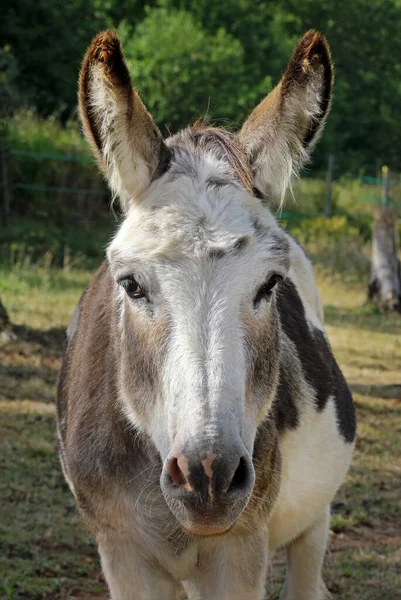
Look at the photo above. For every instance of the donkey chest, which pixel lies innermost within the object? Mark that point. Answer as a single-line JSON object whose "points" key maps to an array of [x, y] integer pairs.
{"points": [[144, 522]]}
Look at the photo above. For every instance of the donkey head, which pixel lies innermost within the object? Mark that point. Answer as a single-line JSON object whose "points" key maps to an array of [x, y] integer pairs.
{"points": [[197, 263]]}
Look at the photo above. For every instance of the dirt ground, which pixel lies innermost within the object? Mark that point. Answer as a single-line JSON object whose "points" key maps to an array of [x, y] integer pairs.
{"points": [[45, 554]]}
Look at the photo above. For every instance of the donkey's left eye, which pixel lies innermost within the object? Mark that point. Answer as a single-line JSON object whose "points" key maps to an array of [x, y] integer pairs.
{"points": [[267, 288], [132, 288]]}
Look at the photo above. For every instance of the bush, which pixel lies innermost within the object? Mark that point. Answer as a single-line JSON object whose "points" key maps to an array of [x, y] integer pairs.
{"points": [[336, 228], [62, 225], [26, 130], [334, 244], [32, 241], [309, 196]]}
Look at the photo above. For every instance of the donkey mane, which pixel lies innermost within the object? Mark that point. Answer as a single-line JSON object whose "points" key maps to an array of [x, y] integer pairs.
{"points": [[202, 139]]}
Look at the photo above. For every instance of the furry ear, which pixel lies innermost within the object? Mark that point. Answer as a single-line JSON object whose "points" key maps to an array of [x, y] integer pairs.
{"points": [[281, 132], [128, 145]]}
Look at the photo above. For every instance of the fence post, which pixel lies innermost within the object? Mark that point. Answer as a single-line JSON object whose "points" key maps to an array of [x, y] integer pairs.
{"points": [[385, 185], [6, 189], [329, 184]]}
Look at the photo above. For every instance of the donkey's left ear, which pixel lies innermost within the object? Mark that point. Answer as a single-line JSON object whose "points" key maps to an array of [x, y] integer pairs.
{"points": [[128, 145], [281, 132]]}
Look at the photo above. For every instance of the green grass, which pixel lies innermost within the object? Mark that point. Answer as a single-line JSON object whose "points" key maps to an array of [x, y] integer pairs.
{"points": [[45, 553]]}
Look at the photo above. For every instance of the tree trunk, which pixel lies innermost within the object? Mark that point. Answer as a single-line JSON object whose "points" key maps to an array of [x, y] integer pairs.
{"points": [[6, 332], [385, 274], [4, 320]]}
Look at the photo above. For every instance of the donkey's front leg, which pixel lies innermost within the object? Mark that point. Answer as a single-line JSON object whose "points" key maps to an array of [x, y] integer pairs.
{"points": [[304, 563], [233, 571], [130, 576]]}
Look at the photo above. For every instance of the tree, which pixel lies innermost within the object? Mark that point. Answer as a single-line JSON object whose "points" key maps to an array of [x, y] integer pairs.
{"points": [[219, 57], [47, 40], [9, 97], [363, 129], [183, 72]]}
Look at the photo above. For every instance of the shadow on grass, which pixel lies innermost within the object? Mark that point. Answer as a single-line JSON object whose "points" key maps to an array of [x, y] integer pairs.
{"points": [[51, 339], [365, 409], [29, 364], [390, 391], [26, 382], [365, 317]]}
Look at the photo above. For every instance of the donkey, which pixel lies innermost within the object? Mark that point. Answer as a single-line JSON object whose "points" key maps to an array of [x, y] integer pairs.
{"points": [[202, 418]]}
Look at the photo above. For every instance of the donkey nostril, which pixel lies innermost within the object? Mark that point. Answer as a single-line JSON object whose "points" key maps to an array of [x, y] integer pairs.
{"points": [[175, 473], [240, 478]]}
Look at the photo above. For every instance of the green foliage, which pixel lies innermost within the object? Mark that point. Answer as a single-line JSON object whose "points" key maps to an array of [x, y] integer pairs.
{"points": [[8, 74], [53, 225], [363, 129], [189, 72], [27, 130], [309, 196], [337, 228], [262, 28], [336, 245], [191, 58], [76, 242], [48, 39]]}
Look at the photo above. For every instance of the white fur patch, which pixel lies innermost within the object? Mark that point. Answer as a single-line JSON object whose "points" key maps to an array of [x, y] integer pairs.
{"points": [[315, 461], [127, 172], [166, 241]]}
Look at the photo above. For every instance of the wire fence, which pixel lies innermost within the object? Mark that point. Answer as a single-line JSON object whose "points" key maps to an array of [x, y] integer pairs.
{"points": [[31, 180], [46, 177]]}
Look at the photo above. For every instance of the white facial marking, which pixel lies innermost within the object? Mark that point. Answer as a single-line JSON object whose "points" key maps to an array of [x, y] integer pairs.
{"points": [[180, 243]]}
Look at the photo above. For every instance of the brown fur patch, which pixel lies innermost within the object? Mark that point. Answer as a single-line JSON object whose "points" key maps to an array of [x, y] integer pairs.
{"points": [[141, 358], [263, 348], [101, 451], [106, 51], [267, 462], [311, 53]]}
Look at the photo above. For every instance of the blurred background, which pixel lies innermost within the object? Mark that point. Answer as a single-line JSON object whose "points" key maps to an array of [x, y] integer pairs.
{"points": [[189, 59]]}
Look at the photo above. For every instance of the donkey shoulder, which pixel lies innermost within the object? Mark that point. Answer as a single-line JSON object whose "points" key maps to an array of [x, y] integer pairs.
{"points": [[305, 336]]}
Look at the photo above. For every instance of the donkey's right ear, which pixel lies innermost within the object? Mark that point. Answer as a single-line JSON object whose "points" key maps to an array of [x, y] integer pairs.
{"points": [[128, 145]]}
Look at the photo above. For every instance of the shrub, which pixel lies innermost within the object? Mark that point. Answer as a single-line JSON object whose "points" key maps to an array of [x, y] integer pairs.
{"points": [[334, 244], [26, 130], [336, 228], [52, 225], [309, 196]]}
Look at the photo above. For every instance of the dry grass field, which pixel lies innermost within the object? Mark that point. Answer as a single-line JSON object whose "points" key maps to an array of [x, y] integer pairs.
{"points": [[45, 554]]}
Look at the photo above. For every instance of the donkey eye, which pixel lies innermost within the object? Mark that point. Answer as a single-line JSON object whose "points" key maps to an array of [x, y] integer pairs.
{"points": [[132, 288], [267, 288]]}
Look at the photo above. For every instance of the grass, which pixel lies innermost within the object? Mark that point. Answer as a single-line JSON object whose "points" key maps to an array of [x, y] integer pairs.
{"points": [[45, 553]]}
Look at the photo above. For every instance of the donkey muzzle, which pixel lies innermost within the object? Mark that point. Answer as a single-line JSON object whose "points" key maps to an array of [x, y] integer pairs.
{"points": [[211, 485]]}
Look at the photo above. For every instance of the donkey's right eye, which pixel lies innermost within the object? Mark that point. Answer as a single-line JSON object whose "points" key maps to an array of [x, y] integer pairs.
{"points": [[132, 288]]}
